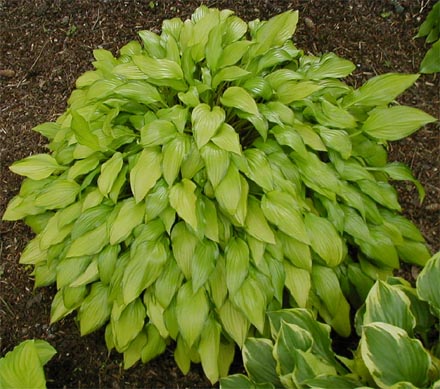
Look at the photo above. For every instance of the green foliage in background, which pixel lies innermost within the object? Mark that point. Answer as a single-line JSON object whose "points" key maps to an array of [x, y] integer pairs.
{"points": [[430, 29], [23, 366], [398, 348], [210, 174]]}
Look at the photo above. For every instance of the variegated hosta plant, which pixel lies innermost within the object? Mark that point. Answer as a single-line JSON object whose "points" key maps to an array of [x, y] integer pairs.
{"points": [[200, 175], [399, 345]]}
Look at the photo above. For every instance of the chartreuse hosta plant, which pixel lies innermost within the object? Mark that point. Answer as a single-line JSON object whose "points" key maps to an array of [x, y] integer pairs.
{"points": [[201, 174], [23, 366], [398, 348], [430, 29]]}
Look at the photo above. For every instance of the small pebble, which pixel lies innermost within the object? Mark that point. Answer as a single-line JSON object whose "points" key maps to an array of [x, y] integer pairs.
{"points": [[309, 23], [7, 73]]}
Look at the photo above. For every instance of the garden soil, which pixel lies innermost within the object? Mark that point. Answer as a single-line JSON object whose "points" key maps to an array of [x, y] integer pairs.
{"points": [[46, 45]]}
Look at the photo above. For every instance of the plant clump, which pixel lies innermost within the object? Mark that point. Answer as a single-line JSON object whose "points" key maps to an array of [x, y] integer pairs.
{"points": [[208, 175]]}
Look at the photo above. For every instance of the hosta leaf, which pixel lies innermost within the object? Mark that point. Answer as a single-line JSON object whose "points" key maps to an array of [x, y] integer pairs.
{"points": [[327, 66], [228, 191], [256, 224], [298, 282], [388, 304], [168, 283], [139, 91], [233, 52], [230, 73], [83, 166], [36, 167], [146, 264], [127, 322], [206, 122], [237, 264], [430, 63], [23, 366], [145, 173], [259, 168], [209, 348], [133, 353], [109, 173], [241, 381], [427, 283], [291, 91], [381, 192], [58, 194], [95, 309], [32, 253], [338, 140], [275, 32], [155, 344], [82, 132], [183, 200], [280, 209], [395, 123], [399, 171], [216, 161], [173, 155], [192, 311], [234, 322], [128, 217], [381, 90], [92, 242], [58, 309], [255, 308], [227, 139], [203, 262], [235, 28], [391, 356], [335, 310], [298, 253], [157, 132], [324, 239], [183, 244], [259, 361], [237, 97], [158, 68]]}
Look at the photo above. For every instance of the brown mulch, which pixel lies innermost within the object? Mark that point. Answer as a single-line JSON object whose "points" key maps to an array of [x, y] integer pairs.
{"points": [[46, 45]]}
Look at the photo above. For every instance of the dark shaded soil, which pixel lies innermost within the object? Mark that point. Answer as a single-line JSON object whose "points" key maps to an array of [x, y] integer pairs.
{"points": [[46, 45]]}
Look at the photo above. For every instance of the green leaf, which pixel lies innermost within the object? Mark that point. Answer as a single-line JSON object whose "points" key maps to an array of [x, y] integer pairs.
{"points": [[298, 282], [228, 191], [395, 123], [128, 216], [155, 346], [259, 361], [82, 132], [36, 167], [237, 97], [157, 132], [327, 66], [227, 139], [206, 122], [192, 312], [216, 161], [427, 283], [95, 309], [233, 52], [139, 91], [291, 91], [109, 173], [324, 239], [183, 200], [146, 263], [255, 308], [59, 194], [203, 262], [335, 309], [237, 264], [92, 242], [134, 351], [145, 173], [275, 32], [23, 366], [173, 155], [127, 322], [430, 63], [380, 90], [391, 356], [158, 68], [256, 224], [388, 304], [338, 140], [259, 169], [234, 322], [209, 348], [229, 73], [298, 253], [280, 209]]}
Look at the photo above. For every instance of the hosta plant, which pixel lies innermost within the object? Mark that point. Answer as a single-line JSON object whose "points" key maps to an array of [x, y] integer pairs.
{"points": [[23, 366], [209, 174], [430, 29], [398, 346]]}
